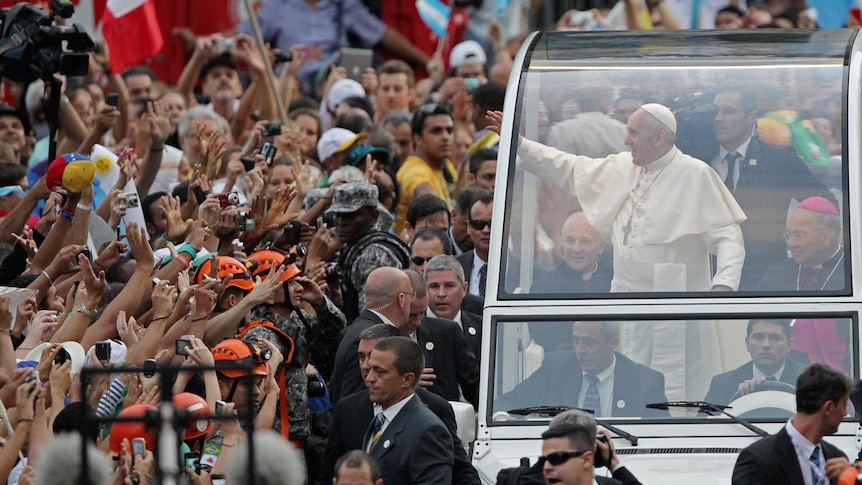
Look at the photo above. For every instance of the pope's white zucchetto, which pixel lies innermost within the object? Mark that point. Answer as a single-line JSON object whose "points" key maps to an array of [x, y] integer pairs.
{"points": [[662, 114]]}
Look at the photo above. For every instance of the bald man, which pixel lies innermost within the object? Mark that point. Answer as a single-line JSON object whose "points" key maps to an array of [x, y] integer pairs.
{"points": [[388, 295], [581, 271]]}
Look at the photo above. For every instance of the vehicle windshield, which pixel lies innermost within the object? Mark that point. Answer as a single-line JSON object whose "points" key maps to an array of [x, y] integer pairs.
{"points": [[763, 112], [749, 364]]}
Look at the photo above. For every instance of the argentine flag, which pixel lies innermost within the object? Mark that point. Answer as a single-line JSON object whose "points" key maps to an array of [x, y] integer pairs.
{"points": [[435, 14]]}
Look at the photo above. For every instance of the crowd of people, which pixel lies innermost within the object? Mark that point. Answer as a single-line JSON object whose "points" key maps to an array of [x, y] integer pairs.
{"points": [[312, 277]]}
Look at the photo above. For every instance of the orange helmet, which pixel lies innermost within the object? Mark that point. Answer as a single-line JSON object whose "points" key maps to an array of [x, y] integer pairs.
{"points": [[132, 429], [260, 263], [195, 406], [236, 351], [227, 266]]}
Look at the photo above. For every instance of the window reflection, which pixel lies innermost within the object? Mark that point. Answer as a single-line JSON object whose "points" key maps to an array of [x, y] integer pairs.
{"points": [[773, 138], [590, 364]]}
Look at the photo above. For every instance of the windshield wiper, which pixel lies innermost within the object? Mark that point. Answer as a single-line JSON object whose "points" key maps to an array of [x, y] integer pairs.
{"points": [[709, 409], [555, 410]]}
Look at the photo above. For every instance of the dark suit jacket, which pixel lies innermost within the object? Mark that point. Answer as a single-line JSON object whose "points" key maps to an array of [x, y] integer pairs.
{"points": [[769, 177], [725, 385], [533, 476], [415, 448], [782, 276], [513, 268], [346, 377], [558, 383], [772, 461], [447, 351], [473, 304], [354, 413], [471, 325]]}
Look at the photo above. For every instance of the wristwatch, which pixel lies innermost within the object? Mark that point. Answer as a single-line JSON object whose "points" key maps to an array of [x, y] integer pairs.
{"points": [[86, 311]]}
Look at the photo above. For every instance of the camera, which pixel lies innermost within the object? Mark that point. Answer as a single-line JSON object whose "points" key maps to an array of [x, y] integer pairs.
{"points": [[472, 83], [132, 199], [228, 199], [268, 150], [200, 194], [247, 163], [193, 461], [219, 409], [261, 354], [226, 44], [333, 271], [134, 478], [294, 253], [139, 446], [272, 129], [243, 223], [103, 352], [316, 389], [62, 357], [86, 252], [182, 343], [112, 99]]}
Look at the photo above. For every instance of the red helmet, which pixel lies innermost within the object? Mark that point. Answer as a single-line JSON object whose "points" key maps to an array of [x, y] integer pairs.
{"points": [[132, 429], [196, 406], [235, 350], [227, 266], [260, 263]]}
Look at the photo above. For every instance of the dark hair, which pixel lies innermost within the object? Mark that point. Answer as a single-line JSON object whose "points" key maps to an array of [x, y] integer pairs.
{"points": [[748, 98], [579, 438], [467, 198], [818, 384], [408, 355], [432, 233], [355, 459], [423, 112], [11, 173], [310, 112], [380, 331], [147, 203], [490, 95], [138, 71], [481, 156], [223, 60], [77, 418], [731, 9], [424, 206], [485, 198], [783, 323], [303, 102], [397, 66], [352, 121], [362, 103]]}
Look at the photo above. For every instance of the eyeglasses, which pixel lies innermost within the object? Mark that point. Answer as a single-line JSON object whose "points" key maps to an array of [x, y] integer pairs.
{"points": [[412, 295], [795, 236], [419, 260], [479, 224], [557, 458]]}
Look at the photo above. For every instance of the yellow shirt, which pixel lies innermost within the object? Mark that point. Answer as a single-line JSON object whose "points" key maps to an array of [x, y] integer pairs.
{"points": [[414, 172]]}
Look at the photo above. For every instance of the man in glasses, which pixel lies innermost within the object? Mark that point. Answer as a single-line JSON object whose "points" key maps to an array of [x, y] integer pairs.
{"points": [[475, 261], [581, 271]]}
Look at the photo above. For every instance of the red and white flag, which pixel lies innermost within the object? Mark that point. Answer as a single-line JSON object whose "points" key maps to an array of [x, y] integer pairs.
{"points": [[131, 30]]}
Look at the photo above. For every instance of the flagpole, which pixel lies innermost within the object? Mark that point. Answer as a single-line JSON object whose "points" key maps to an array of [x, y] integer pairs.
{"points": [[270, 75]]}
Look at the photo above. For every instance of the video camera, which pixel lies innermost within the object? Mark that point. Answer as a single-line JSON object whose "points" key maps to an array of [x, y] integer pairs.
{"points": [[31, 46]]}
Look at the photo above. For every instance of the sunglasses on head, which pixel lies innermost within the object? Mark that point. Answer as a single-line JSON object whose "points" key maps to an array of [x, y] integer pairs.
{"points": [[479, 224], [557, 458], [419, 260]]}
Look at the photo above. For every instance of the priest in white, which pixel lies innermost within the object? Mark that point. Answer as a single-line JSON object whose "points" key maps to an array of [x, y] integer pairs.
{"points": [[666, 212]]}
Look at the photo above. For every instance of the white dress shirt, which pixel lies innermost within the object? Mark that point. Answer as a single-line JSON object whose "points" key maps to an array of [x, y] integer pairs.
{"points": [[474, 274], [605, 388]]}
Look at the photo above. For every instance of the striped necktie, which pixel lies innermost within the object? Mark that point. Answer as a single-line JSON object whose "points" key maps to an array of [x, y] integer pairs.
{"points": [[817, 475], [376, 430], [592, 400]]}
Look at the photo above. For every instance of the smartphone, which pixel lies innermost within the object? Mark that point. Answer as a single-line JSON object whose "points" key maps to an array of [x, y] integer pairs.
{"points": [[218, 479], [139, 446], [200, 194], [247, 163], [62, 357], [268, 150], [150, 367], [219, 407], [112, 99], [182, 343], [103, 352], [272, 129], [193, 461]]}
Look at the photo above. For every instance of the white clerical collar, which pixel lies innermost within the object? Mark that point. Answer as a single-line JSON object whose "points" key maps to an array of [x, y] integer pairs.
{"points": [[820, 266], [382, 317], [663, 161], [758, 373], [741, 150]]}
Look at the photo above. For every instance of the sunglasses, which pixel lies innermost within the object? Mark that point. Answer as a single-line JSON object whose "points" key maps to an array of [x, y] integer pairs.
{"points": [[557, 458], [419, 260], [479, 224]]}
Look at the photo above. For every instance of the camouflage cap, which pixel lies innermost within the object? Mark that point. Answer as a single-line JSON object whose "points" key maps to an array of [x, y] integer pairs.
{"points": [[350, 197]]}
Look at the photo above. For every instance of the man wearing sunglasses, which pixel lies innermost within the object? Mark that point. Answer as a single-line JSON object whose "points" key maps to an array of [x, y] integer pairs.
{"points": [[475, 261]]}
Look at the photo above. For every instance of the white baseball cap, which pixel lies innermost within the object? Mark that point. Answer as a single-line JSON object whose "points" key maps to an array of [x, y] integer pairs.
{"points": [[467, 52], [336, 140], [343, 89]]}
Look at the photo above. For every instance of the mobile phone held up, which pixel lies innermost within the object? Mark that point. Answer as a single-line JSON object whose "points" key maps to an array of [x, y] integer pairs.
{"points": [[268, 150]]}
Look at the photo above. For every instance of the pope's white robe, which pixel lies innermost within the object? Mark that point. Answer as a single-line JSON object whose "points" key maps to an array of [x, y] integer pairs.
{"points": [[664, 219]]}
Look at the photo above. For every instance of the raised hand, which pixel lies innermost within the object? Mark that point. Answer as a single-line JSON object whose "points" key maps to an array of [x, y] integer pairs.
{"points": [[176, 228]]}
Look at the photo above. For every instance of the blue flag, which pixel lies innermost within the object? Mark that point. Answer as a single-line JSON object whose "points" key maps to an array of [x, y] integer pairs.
{"points": [[435, 14]]}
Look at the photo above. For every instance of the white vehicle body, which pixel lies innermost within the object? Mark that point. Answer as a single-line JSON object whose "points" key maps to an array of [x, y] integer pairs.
{"points": [[686, 447]]}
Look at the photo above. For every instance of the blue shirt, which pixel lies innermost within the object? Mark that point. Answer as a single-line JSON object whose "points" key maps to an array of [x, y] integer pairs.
{"points": [[285, 23]]}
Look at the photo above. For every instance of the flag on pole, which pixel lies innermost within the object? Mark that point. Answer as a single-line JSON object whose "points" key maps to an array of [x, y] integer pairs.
{"points": [[131, 31], [435, 14]]}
